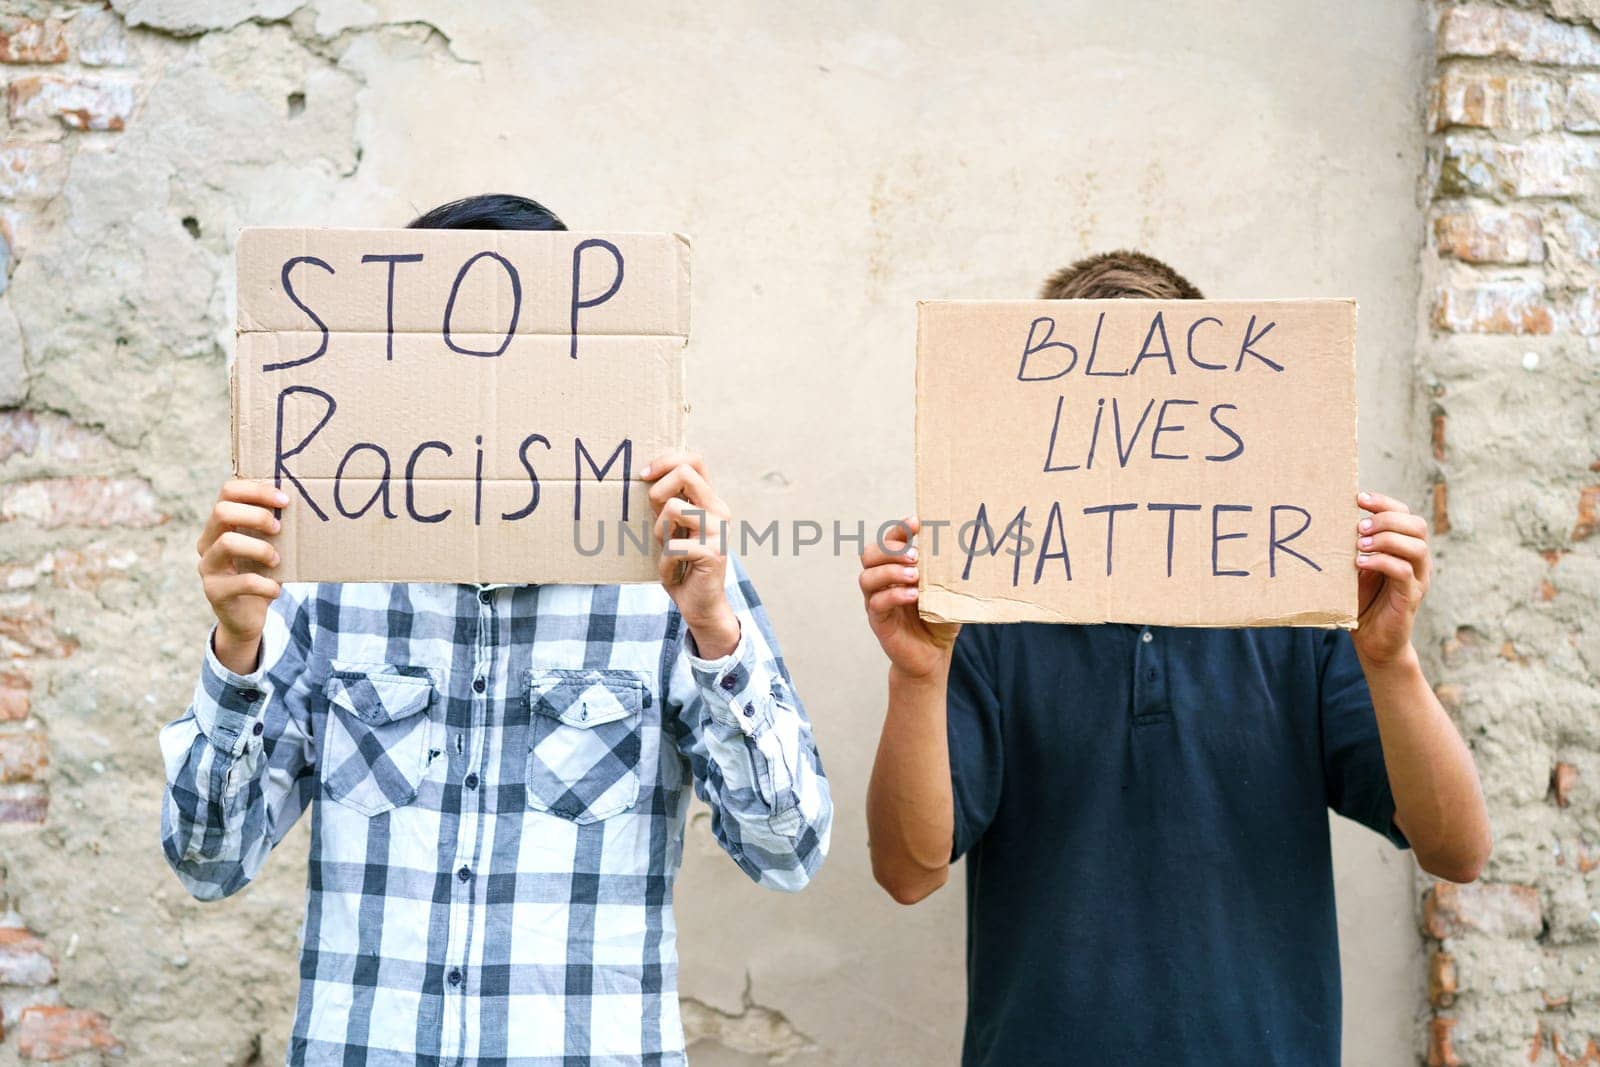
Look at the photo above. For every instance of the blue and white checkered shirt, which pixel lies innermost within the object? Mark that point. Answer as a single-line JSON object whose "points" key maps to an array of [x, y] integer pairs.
{"points": [[498, 778]]}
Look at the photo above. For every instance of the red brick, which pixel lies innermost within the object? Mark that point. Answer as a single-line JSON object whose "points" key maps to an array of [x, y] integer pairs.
{"points": [[97, 38], [45, 1033], [1552, 166], [1588, 512], [26, 803], [1584, 314], [1440, 1052], [69, 568], [30, 170], [24, 959], [1485, 30], [1497, 909], [24, 755], [81, 501], [1521, 102], [1583, 103], [1563, 779], [1438, 436], [1514, 307], [1581, 235], [1451, 696], [51, 437], [1441, 509], [27, 630], [1486, 234], [32, 41], [81, 103], [1441, 979], [16, 690]]}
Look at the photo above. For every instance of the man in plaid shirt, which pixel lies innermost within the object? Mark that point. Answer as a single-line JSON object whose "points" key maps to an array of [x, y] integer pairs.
{"points": [[498, 778]]}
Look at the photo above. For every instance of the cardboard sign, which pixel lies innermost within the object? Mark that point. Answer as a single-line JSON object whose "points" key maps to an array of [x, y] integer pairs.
{"points": [[1174, 463], [460, 405]]}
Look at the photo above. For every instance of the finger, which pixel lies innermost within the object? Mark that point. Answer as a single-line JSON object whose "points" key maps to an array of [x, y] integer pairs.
{"points": [[1391, 567], [893, 544], [886, 600], [687, 482], [1399, 521], [261, 494], [240, 492], [672, 458], [680, 513], [233, 546], [1414, 550], [226, 515], [886, 576], [222, 587], [1376, 502], [680, 553], [682, 519], [693, 549]]}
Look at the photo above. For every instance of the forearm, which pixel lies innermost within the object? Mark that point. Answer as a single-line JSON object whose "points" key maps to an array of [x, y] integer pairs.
{"points": [[1438, 801], [910, 809]]}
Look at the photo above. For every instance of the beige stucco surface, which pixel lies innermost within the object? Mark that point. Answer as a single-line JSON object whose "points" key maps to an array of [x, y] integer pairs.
{"points": [[834, 163]]}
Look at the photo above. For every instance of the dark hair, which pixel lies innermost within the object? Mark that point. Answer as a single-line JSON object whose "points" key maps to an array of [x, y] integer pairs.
{"points": [[1115, 275], [490, 211]]}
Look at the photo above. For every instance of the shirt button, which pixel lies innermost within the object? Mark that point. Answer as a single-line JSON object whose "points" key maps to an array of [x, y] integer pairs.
{"points": [[257, 728], [749, 710], [455, 976], [1147, 637], [479, 685], [728, 683], [464, 873], [250, 696], [484, 596], [471, 781]]}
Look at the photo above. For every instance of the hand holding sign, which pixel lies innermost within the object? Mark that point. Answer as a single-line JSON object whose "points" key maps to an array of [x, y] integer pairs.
{"points": [[230, 560], [1392, 556], [691, 530], [916, 647]]}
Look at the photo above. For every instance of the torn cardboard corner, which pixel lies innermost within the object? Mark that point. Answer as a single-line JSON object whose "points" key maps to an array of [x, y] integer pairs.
{"points": [[1170, 463], [460, 405]]}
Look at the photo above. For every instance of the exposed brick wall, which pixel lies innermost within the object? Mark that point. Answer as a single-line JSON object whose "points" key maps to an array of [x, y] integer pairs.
{"points": [[1509, 353], [50, 479]]}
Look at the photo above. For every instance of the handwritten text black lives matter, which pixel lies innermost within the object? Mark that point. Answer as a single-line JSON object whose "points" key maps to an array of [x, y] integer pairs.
{"points": [[1090, 430]]}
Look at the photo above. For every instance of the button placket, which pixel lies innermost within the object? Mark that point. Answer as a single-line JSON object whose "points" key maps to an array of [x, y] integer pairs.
{"points": [[1149, 692]]}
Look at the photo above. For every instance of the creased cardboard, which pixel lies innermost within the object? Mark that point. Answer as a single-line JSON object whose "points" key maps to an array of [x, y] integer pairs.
{"points": [[1175, 463], [459, 405]]}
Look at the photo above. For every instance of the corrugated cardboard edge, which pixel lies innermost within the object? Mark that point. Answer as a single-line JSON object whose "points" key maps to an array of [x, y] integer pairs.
{"points": [[941, 604]]}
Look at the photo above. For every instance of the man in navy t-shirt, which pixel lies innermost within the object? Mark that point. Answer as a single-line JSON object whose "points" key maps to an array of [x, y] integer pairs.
{"points": [[1144, 810]]}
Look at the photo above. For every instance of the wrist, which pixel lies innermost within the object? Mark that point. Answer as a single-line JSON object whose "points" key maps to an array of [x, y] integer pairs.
{"points": [[934, 678], [240, 654], [716, 634], [1402, 663]]}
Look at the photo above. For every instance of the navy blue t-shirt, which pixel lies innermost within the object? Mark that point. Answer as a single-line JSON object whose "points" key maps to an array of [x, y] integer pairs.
{"points": [[1144, 815]]}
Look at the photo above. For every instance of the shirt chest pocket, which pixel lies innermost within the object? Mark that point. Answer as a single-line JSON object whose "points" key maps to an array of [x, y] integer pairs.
{"points": [[375, 752], [584, 741]]}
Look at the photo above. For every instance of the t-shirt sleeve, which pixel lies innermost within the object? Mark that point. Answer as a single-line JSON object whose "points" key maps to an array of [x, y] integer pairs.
{"points": [[1352, 754], [972, 711]]}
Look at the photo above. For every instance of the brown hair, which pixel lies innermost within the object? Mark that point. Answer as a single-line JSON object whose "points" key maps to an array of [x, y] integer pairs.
{"points": [[1115, 275]]}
